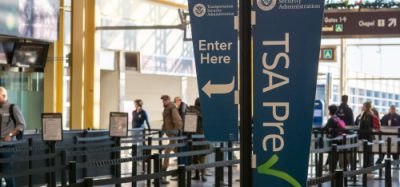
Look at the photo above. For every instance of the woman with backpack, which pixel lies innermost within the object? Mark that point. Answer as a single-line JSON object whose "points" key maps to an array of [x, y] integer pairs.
{"points": [[334, 127], [367, 124]]}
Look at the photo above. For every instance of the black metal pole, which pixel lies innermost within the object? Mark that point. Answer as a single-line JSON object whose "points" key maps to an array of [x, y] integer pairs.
{"points": [[388, 173], [134, 164], [157, 169], [245, 93], [230, 157], [30, 143]]}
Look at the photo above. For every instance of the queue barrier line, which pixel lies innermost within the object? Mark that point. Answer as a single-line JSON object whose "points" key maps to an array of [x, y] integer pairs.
{"points": [[170, 138], [133, 140], [160, 147], [13, 143], [349, 146], [87, 145], [92, 139], [29, 158], [226, 149], [395, 162], [189, 153], [112, 162], [36, 171], [200, 143], [24, 148], [212, 165], [198, 136], [134, 178], [363, 170], [96, 151], [320, 180], [322, 150]]}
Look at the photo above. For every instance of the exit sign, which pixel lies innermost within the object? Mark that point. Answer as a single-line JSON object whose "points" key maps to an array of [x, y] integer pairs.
{"points": [[327, 54]]}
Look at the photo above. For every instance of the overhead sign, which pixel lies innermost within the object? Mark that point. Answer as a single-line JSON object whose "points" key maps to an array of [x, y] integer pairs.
{"points": [[327, 54], [371, 23], [215, 50], [34, 19], [286, 50]]}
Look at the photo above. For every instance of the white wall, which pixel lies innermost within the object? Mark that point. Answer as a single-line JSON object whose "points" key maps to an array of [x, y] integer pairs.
{"points": [[109, 96]]}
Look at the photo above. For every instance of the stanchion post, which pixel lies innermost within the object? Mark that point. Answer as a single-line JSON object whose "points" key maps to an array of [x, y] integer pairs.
{"points": [[316, 154], [160, 134], [388, 173], [30, 143], [134, 164], [339, 178], [218, 169], [189, 161], [148, 152], [157, 169], [333, 160], [389, 148], [344, 155], [63, 165], [72, 172], [181, 176], [320, 158], [366, 162], [117, 170], [89, 182], [230, 157], [380, 153], [354, 159]]}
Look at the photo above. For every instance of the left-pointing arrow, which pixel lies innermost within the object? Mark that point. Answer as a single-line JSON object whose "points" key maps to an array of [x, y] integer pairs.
{"points": [[210, 89]]}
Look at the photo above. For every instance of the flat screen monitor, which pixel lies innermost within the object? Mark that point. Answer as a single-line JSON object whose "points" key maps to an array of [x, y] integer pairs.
{"points": [[30, 55]]}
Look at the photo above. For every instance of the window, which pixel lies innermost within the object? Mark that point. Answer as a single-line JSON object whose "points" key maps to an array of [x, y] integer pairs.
{"points": [[361, 92], [370, 93], [377, 94], [384, 95]]}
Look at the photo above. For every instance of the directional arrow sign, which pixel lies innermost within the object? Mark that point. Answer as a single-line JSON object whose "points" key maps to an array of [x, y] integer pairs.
{"points": [[392, 22], [210, 89], [215, 51]]}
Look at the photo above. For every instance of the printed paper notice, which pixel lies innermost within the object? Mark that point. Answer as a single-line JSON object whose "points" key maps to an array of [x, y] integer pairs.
{"points": [[190, 123], [52, 128], [118, 125]]}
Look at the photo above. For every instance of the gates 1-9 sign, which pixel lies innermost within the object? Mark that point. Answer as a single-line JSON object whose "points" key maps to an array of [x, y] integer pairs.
{"points": [[370, 23]]}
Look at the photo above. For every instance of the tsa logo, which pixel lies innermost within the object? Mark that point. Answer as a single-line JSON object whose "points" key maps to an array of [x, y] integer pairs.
{"points": [[199, 10], [266, 5]]}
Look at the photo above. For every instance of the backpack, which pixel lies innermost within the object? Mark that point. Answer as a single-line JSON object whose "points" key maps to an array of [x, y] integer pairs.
{"points": [[376, 124], [20, 135], [340, 123]]}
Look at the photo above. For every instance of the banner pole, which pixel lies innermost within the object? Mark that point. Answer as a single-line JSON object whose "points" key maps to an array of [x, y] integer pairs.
{"points": [[245, 93]]}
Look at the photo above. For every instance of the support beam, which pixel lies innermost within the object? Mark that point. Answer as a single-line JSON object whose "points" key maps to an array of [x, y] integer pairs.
{"points": [[92, 70], [343, 66], [50, 82], [60, 64], [77, 65]]}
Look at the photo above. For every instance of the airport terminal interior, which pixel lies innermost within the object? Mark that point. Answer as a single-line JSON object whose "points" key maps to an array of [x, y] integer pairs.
{"points": [[117, 93]]}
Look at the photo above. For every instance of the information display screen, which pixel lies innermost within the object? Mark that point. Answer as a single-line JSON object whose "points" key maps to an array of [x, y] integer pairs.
{"points": [[30, 54], [33, 19]]}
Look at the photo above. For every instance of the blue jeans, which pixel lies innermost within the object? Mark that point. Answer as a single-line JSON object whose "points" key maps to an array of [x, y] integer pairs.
{"points": [[7, 168]]}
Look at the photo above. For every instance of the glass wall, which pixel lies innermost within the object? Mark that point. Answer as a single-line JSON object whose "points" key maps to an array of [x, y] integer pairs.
{"points": [[26, 91]]}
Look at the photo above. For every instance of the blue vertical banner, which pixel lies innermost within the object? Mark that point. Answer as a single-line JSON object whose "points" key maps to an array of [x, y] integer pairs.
{"points": [[286, 36], [215, 51]]}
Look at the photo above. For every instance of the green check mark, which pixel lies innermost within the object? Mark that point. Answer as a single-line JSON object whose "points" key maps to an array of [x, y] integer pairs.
{"points": [[266, 169]]}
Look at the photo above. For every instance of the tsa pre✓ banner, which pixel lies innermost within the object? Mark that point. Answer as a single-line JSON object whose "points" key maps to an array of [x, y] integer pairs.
{"points": [[287, 38], [215, 51]]}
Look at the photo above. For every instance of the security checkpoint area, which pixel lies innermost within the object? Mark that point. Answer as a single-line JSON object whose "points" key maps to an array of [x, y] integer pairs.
{"points": [[200, 93]]}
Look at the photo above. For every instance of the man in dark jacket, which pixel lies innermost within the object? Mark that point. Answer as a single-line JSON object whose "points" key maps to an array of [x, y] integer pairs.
{"points": [[182, 108], [345, 113], [392, 118]]}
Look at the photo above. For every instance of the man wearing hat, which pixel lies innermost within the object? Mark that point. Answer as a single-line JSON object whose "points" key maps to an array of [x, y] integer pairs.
{"points": [[172, 121]]}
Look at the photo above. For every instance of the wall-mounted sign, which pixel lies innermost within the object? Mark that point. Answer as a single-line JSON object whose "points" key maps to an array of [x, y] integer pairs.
{"points": [[118, 124], [327, 54], [371, 23], [52, 128]]}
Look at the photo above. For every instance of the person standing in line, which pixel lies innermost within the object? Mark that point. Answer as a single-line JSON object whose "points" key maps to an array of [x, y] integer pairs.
{"points": [[389, 119], [182, 107], [172, 121], [139, 116], [12, 125], [365, 131], [199, 159], [345, 113]]}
